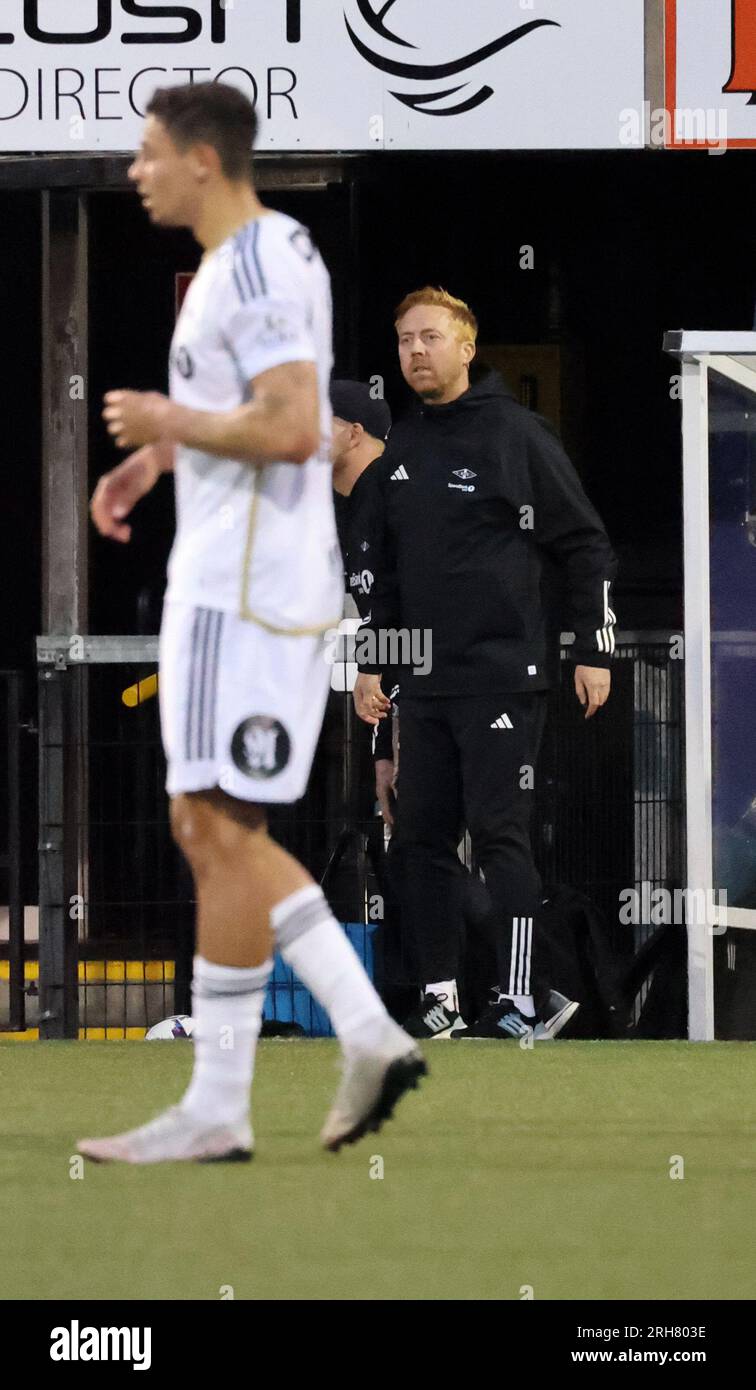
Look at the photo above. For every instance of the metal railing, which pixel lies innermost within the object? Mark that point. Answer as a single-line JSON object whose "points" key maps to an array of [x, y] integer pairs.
{"points": [[610, 815], [116, 909]]}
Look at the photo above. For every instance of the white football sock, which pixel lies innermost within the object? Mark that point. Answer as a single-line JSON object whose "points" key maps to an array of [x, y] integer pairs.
{"points": [[320, 953], [227, 1006], [447, 987], [523, 1002]]}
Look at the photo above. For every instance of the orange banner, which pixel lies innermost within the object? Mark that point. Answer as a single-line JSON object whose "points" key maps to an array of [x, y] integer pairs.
{"points": [[743, 75]]}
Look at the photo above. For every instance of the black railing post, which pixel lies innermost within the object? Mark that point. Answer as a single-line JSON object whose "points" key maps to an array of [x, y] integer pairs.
{"points": [[58, 929], [17, 998]]}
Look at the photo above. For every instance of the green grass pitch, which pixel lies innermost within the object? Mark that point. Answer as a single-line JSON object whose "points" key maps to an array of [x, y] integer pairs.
{"points": [[547, 1168]]}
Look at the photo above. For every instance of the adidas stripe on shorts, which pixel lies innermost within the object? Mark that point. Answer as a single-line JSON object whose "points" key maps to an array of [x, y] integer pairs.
{"points": [[240, 707]]}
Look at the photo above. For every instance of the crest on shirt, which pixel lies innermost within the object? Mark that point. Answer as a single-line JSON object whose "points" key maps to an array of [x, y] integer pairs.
{"points": [[464, 474], [301, 241], [276, 331], [260, 747], [185, 363]]}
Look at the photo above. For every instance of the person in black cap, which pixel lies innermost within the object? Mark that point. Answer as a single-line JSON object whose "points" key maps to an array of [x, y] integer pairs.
{"points": [[361, 423]]}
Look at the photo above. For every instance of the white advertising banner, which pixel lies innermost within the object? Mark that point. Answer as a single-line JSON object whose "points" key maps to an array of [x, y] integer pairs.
{"points": [[711, 73], [75, 75]]}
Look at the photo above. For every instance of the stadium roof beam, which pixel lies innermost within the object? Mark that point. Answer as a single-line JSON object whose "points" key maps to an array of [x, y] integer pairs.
{"points": [[93, 172]]}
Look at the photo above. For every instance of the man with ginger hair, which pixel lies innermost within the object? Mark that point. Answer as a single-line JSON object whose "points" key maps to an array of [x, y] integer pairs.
{"points": [[471, 509]]}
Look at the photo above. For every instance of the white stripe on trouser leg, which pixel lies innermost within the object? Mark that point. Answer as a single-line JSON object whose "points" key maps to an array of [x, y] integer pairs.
{"points": [[526, 962], [513, 958], [521, 956], [320, 953], [522, 942]]}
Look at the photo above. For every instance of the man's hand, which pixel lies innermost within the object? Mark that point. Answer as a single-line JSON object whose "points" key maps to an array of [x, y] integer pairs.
{"points": [[137, 417], [592, 684], [369, 700], [385, 789], [118, 491]]}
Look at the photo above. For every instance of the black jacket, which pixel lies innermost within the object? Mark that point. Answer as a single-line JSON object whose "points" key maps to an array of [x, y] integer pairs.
{"points": [[467, 528], [358, 581]]}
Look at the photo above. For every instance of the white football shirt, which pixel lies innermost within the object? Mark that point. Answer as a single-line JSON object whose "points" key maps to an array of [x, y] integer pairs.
{"points": [[256, 540]]}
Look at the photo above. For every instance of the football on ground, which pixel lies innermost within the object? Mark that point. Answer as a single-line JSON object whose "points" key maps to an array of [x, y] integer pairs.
{"points": [[177, 1026]]}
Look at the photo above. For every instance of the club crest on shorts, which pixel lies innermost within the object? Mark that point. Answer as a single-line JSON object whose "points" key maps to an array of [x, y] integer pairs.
{"points": [[260, 746]]}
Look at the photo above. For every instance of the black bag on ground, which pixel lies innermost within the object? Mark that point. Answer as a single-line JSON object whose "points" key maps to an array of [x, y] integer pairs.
{"points": [[664, 1013], [574, 955]]}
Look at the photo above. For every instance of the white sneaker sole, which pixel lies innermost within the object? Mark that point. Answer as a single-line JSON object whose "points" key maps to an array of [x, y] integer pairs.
{"points": [[117, 1149], [457, 1027], [546, 1032]]}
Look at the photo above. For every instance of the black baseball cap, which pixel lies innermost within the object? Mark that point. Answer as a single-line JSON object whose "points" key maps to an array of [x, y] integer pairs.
{"points": [[352, 401]]}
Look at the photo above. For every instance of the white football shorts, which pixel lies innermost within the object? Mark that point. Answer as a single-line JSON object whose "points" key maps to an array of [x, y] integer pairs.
{"points": [[240, 707]]}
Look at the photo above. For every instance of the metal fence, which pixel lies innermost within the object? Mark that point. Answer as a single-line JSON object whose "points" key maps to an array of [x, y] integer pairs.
{"points": [[610, 812], [115, 897]]}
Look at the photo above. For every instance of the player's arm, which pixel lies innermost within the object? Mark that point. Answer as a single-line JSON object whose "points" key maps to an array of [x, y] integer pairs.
{"points": [[118, 491], [378, 606], [281, 423]]}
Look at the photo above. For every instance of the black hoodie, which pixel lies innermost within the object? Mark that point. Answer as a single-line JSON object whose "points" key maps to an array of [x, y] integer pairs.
{"points": [[467, 526]]}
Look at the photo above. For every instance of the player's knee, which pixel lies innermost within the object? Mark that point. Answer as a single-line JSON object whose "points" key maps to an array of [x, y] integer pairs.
{"points": [[213, 835], [191, 827]]}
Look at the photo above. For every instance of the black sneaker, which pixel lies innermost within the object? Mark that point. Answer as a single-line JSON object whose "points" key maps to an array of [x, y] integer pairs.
{"points": [[433, 1019], [503, 1021]]}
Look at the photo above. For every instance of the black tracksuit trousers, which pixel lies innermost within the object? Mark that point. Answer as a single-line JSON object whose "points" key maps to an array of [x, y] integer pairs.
{"points": [[469, 760]]}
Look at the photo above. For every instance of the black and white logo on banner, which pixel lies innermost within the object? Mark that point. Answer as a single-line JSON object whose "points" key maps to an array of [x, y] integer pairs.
{"points": [[397, 56]]}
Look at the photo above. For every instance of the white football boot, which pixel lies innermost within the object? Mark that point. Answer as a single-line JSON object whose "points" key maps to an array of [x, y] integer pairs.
{"points": [[173, 1137], [371, 1085]]}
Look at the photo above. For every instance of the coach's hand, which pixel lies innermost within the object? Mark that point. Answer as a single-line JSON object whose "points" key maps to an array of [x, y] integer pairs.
{"points": [[592, 684], [385, 788], [369, 700], [137, 417], [118, 491]]}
